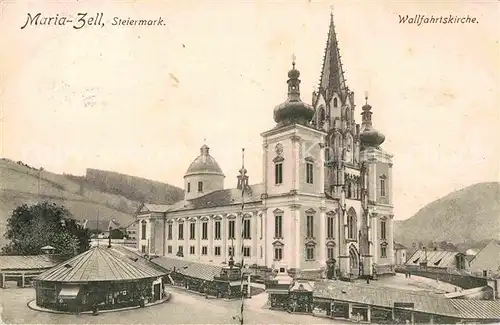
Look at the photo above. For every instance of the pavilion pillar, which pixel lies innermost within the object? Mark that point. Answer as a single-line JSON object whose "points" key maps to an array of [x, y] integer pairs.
{"points": [[2, 281], [412, 317], [349, 316], [22, 280], [369, 314]]}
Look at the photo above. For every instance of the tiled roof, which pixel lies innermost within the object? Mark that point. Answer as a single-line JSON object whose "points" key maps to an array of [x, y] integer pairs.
{"points": [[477, 309], [99, 264], [399, 246], [102, 225], [303, 285], [220, 198], [463, 293], [383, 296], [192, 269], [434, 258], [492, 248], [423, 302], [136, 257], [156, 207], [17, 262]]}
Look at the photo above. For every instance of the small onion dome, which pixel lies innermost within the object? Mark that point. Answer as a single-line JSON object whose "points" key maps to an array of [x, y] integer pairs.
{"points": [[243, 171], [293, 110], [204, 164], [370, 137], [293, 73]]}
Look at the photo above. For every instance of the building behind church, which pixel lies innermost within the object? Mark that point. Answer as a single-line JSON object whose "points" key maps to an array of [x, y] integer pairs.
{"points": [[326, 193]]}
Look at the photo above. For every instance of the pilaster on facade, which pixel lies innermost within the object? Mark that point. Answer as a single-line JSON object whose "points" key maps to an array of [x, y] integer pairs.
{"points": [[210, 230], [224, 235], [255, 224], [390, 239], [322, 235], [238, 225], [296, 162], [186, 236]]}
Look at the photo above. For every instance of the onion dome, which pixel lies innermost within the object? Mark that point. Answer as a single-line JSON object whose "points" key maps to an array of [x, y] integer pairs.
{"points": [[293, 110], [369, 137], [204, 164]]}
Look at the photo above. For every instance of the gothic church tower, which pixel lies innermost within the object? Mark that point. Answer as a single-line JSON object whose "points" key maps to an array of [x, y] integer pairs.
{"points": [[357, 171]]}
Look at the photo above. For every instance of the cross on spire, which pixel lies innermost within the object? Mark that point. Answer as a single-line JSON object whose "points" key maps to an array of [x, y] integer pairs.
{"points": [[293, 60], [366, 97]]}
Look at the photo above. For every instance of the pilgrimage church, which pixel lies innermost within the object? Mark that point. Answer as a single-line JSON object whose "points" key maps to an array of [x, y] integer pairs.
{"points": [[326, 193]]}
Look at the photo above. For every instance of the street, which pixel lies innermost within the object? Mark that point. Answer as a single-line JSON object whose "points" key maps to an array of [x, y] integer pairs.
{"points": [[184, 308]]}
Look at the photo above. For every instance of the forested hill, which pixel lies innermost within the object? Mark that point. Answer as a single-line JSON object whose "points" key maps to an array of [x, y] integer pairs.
{"points": [[109, 194], [471, 214]]}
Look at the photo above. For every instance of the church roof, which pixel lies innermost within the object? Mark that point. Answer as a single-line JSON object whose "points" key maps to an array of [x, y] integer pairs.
{"points": [[204, 164], [220, 198], [155, 207], [332, 74], [99, 264]]}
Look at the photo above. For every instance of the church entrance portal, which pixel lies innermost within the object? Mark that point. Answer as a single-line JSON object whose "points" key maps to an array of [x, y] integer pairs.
{"points": [[353, 261]]}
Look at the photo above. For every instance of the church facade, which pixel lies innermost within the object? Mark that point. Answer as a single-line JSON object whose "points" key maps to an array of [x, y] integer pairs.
{"points": [[326, 193]]}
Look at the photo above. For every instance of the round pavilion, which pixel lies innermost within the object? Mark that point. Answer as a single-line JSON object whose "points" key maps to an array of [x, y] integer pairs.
{"points": [[99, 279]]}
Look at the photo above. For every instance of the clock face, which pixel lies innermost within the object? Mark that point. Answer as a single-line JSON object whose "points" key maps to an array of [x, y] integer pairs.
{"points": [[279, 149]]}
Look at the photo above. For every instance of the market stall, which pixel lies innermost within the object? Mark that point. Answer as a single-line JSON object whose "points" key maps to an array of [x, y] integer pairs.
{"points": [[98, 279]]}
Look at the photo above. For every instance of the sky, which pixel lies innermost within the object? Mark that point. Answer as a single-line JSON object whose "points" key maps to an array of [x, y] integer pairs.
{"points": [[142, 100]]}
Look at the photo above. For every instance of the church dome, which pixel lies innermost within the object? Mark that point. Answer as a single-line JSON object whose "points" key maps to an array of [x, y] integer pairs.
{"points": [[293, 110], [204, 164], [370, 137]]}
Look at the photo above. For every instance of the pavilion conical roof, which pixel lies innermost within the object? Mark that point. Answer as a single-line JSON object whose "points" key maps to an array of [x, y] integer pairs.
{"points": [[99, 264]]}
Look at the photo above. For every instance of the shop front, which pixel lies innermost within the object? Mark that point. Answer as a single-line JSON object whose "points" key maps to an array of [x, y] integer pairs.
{"points": [[301, 297], [279, 298]]}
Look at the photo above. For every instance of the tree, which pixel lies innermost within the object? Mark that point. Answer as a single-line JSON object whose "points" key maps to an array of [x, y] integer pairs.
{"points": [[29, 228], [117, 234]]}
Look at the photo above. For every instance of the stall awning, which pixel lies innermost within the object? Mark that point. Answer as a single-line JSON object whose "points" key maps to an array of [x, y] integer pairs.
{"points": [[69, 292]]}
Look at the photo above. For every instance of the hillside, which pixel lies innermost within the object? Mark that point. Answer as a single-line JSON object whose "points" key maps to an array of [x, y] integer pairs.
{"points": [[469, 215], [111, 195]]}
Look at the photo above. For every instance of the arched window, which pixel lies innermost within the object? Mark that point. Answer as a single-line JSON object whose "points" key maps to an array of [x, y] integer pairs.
{"points": [[310, 251], [351, 224], [335, 102], [322, 113], [143, 229]]}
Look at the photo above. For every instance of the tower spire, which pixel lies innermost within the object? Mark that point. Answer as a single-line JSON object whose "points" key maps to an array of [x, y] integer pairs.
{"points": [[332, 74]]}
